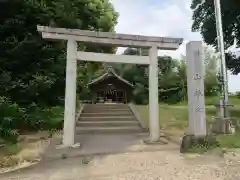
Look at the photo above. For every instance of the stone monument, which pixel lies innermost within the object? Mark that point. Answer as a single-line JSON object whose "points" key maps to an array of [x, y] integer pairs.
{"points": [[197, 130]]}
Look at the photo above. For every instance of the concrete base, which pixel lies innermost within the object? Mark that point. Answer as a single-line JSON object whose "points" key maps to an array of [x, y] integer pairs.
{"points": [[160, 141], [108, 144], [62, 146], [223, 126], [191, 141]]}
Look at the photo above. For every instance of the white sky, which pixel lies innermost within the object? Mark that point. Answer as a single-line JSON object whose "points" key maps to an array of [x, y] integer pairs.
{"points": [[161, 18]]}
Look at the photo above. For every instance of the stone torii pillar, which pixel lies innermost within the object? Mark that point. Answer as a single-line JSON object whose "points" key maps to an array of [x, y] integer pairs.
{"points": [[153, 95], [70, 95]]}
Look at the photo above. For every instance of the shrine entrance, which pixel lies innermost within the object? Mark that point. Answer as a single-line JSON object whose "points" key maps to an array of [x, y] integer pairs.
{"points": [[111, 96], [110, 88], [152, 44]]}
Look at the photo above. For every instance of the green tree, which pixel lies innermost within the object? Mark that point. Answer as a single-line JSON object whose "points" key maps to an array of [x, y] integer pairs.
{"points": [[32, 69], [211, 70], [182, 73], [205, 22], [169, 80]]}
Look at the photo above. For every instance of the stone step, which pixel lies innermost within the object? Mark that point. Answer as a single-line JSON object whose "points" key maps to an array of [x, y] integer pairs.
{"points": [[107, 123], [106, 110], [107, 130], [127, 113], [108, 118], [107, 105], [97, 106]]}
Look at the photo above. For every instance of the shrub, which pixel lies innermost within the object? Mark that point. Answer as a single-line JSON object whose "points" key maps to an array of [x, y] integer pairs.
{"points": [[39, 118], [14, 119], [10, 116], [238, 94], [55, 118]]}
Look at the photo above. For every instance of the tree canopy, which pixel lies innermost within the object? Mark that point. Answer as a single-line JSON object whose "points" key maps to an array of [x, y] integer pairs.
{"points": [[172, 77], [32, 68], [204, 21]]}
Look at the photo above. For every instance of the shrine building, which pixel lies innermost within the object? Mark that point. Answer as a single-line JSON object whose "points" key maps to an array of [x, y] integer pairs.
{"points": [[110, 88]]}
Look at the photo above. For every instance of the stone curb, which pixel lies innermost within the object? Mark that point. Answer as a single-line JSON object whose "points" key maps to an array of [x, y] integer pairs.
{"points": [[173, 139], [87, 154], [138, 116]]}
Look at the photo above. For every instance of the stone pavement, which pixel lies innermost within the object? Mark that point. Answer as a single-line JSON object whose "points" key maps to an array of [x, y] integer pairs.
{"points": [[123, 157], [98, 144], [158, 165]]}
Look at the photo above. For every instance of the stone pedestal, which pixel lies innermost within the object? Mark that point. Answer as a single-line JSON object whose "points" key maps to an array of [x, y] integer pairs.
{"points": [[192, 141], [222, 110], [222, 124]]}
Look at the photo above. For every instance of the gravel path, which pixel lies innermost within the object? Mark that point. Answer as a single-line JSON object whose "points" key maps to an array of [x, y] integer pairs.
{"points": [[161, 165]]}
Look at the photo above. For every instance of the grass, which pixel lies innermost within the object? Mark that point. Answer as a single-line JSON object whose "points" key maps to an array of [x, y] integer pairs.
{"points": [[230, 141], [10, 149], [171, 118], [27, 149], [209, 101], [7, 155], [174, 119]]}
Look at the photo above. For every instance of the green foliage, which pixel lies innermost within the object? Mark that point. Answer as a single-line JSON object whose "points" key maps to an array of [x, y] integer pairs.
{"points": [[212, 100], [238, 94], [229, 141], [170, 83], [172, 76], [32, 70], [140, 94], [38, 118], [10, 116], [14, 120], [174, 122], [10, 149], [204, 21], [202, 147], [211, 83]]}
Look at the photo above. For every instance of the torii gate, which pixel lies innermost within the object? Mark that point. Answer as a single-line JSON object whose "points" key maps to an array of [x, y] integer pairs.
{"points": [[72, 36]]}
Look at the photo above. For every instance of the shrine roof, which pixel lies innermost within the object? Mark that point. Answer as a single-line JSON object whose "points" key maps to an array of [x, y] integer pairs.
{"points": [[110, 72]]}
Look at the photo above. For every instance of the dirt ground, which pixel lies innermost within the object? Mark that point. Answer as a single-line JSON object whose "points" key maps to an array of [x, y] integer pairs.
{"points": [[158, 165], [127, 157]]}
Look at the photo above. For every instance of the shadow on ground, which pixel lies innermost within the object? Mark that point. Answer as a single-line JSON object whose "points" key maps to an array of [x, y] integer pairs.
{"points": [[99, 144], [55, 160]]}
